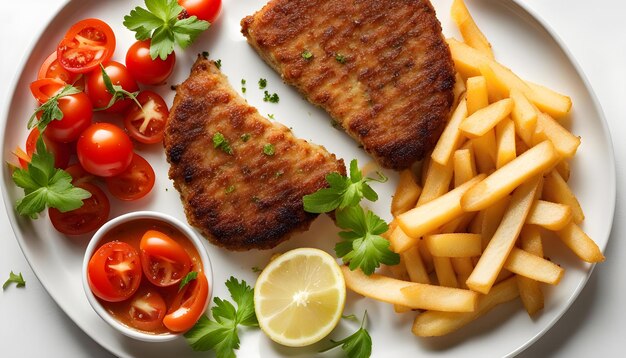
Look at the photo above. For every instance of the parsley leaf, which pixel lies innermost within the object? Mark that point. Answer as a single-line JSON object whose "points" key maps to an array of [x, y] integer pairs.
{"points": [[192, 275], [340, 58], [45, 185], [219, 141], [50, 110], [307, 55], [218, 64], [272, 98], [221, 334], [117, 91], [262, 83], [357, 345], [343, 191], [13, 278], [362, 246], [161, 23], [269, 150]]}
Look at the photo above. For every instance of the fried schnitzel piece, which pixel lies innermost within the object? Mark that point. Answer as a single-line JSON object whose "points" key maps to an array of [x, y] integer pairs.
{"points": [[382, 69], [241, 177]]}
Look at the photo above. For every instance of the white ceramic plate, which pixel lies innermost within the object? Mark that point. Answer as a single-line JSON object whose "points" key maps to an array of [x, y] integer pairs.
{"points": [[520, 41]]}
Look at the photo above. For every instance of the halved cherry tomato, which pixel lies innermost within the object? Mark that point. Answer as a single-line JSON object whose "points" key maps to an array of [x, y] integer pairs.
{"points": [[86, 45], [104, 150], [89, 217], [60, 151], [51, 68], [146, 70], [133, 183], [147, 310], [45, 88], [188, 305], [98, 93], [79, 175], [204, 9], [114, 271], [147, 125], [165, 262]]}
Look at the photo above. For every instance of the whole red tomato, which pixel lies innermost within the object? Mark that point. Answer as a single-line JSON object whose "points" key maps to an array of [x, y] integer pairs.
{"points": [[98, 93], [104, 150], [207, 10], [146, 70]]}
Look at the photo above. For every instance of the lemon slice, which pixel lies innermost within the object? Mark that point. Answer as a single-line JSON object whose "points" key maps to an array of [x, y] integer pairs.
{"points": [[299, 297]]}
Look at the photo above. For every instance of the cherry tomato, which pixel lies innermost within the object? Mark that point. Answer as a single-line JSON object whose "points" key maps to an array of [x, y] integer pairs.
{"points": [[146, 70], [104, 150], [60, 151], [89, 217], [97, 90], [204, 9], [114, 271], [188, 305], [147, 310], [165, 262], [51, 68], [86, 45], [147, 125], [79, 175], [45, 88], [133, 183]]}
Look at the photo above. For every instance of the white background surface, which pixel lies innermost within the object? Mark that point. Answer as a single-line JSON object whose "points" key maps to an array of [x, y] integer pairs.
{"points": [[32, 325]]}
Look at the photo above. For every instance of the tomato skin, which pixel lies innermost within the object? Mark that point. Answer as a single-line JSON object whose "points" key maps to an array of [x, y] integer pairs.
{"points": [[104, 150], [147, 125], [86, 45], [77, 116], [147, 310], [60, 151], [164, 261], [188, 305], [105, 281], [97, 91], [207, 10], [51, 68], [45, 88], [79, 175], [89, 217], [146, 70], [133, 183]]}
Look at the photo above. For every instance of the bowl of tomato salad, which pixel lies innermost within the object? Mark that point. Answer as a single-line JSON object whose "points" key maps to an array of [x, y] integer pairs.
{"points": [[147, 275]]}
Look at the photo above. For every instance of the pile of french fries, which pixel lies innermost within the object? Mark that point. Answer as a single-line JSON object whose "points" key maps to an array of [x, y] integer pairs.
{"points": [[470, 229]]}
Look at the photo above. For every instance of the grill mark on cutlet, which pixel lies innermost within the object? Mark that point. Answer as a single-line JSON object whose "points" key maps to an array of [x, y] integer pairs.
{"points": [[395, 89]]}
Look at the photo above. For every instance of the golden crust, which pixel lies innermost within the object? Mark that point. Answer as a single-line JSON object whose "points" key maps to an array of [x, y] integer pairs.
{"points": [[248, 199], [393, 91]]}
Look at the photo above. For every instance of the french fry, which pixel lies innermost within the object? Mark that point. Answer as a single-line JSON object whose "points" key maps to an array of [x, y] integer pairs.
{"points": [[564, 169], [427, 258], [533, 267], [530, 240], [459, 87], [485, 150], [505, 142], [459, 224], [399, 272], [406, 193], [476, 94], [428, 217], [524, 116], [400, 241], [498, 249], [529, 289], [468, 28], [492, 218], [437, 182], [453, 245], [444, 271], [581, 244], [564, 141], [415, 265], [410, 294], [437, 323], [464, 166], [500, 183], [495, 88], [553, 103], [463, 267], [451, 136], [549, 215], [485, 119], [520, 146], [556, 189]]}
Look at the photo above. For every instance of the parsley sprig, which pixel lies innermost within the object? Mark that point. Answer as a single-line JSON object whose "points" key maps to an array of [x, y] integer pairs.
{"points": [[192, 275], [357, 345], [18, 280], [221, 334], [362, 246], [117, 91], [50, 110], [219, 141], [161, 22], [46, 186], [343, 191]]}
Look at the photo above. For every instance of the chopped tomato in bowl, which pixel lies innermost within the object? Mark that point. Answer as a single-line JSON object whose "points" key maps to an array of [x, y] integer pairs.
{"points": [[141, 270]]}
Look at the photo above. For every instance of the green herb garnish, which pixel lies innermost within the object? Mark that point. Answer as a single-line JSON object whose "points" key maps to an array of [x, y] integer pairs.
{"points": [[18, 280], [192, 275], [161, 22], [271, 116], [272, 98], [262, 83], [221, 333], [117, 92], [340, 58], [230, 189], [307, 55], [243, 86], [218, 64], [245, 137], [268, 149], [357, 345], [50, 110], [219, 141]]}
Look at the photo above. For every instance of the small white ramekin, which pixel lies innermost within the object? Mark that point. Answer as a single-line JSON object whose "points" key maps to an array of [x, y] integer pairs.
{"points": [[95, 243]]}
